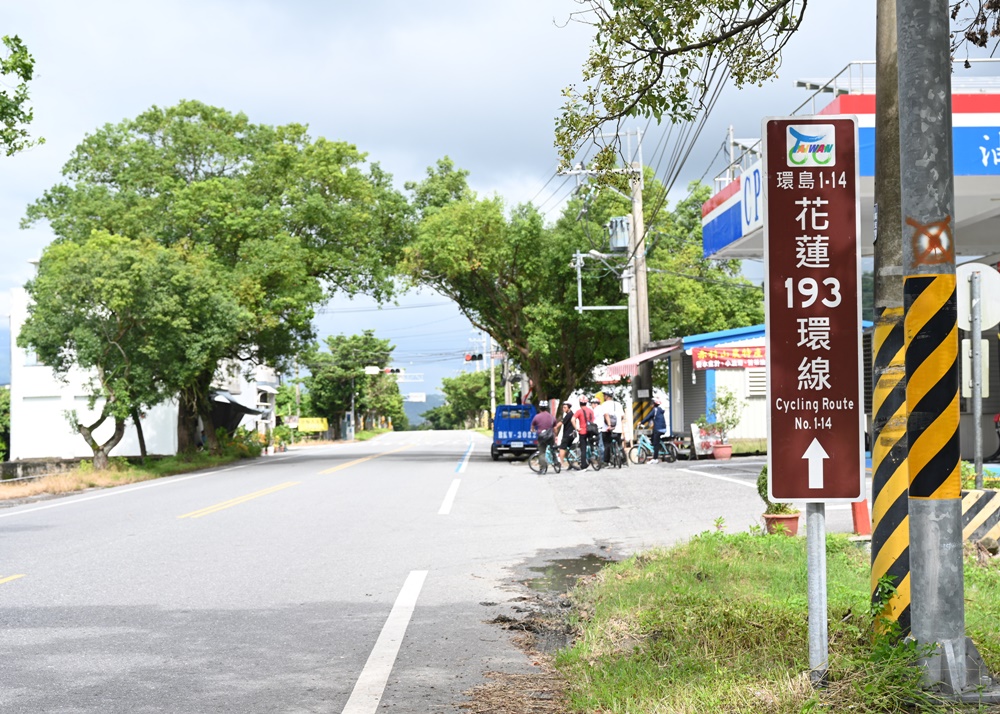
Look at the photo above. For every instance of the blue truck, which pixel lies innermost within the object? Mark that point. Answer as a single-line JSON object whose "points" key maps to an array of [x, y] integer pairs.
{"points": [[512, 431]]}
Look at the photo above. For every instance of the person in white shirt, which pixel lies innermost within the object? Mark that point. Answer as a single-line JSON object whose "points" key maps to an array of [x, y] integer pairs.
{"points": [[610, 417]]}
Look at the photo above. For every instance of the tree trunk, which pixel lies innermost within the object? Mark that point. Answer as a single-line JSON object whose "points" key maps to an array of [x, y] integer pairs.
{"points": [[137, 420], [194, 402], [101, 451], [188, 439]]}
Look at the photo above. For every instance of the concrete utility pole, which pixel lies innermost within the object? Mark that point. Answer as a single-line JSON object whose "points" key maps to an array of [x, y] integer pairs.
{"points": [[637, 248], [493, 383], [643, 387], [890, 481], [931, 340], [638, 298]]}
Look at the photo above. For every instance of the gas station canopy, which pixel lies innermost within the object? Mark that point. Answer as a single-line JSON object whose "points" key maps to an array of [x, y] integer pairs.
{"points": [[732, 219]]}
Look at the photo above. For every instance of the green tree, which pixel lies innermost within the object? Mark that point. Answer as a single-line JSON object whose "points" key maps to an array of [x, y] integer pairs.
{"points": [[689, 294], [339, 373], [512, 277], [283, 216], [381, 398], [15, 114], [140, 318], [441, 418], [467, 395], [657, 59]]}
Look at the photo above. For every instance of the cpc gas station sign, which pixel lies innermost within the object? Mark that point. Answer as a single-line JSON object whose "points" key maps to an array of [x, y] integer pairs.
{"points": [[813, 309], [752, 207]]}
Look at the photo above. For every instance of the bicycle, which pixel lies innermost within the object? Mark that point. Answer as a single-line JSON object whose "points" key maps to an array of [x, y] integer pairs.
{"points": [[573, 456], [618, 457], [551, 455], [643, 451]]}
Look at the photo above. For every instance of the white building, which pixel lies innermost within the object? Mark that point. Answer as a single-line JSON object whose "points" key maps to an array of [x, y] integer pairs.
{"points": [[40, 404]]}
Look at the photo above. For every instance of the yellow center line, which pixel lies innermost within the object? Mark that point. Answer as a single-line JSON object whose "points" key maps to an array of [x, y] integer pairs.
{"points": [[237, 501], [338, 467], [12, 577]]}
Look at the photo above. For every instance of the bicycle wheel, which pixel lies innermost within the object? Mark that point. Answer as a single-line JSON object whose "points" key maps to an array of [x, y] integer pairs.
{"points": [[670, 452], [638, 455], [594, 460], [535, 462]]}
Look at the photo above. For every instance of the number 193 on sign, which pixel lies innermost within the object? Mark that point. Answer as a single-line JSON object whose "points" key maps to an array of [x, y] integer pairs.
{"points": [[806, 291]]}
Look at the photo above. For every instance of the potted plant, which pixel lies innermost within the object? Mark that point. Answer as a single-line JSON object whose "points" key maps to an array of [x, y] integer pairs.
{"points": [[776, 515], [722, 418]]}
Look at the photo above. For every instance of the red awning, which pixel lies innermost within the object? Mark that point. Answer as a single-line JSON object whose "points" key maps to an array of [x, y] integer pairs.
{"points": [[630, 367]]}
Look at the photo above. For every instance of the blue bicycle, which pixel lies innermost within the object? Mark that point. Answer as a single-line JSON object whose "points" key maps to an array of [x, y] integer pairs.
{"points": [[643, 450], [551, 455]]}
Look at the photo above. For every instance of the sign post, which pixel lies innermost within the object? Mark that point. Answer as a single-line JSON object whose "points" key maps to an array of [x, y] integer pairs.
{"points": [[813, 323]]}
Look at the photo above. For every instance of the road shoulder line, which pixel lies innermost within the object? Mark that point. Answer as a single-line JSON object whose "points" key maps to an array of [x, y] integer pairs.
{"points": [[370, 686]]}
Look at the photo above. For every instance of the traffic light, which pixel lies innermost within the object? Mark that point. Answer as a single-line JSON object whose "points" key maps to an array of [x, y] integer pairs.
{"points": [[474, 357], [393, 370]]}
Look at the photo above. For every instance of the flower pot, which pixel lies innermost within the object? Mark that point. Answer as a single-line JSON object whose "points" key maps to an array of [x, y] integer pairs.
{"points": [[788, 521], [722, 452]]}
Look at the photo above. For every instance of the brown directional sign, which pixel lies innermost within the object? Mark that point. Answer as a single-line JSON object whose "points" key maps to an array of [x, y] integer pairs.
{"points": [[811, 224]]}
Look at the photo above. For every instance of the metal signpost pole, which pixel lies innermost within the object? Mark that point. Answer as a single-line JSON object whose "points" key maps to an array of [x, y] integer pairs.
{"points": [[816, 548], [929, 294], [813, 320], [977, 374]]}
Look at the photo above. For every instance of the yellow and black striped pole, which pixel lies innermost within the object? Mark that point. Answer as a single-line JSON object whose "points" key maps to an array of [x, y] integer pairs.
{"points": [[890, 483], [937, 607]]}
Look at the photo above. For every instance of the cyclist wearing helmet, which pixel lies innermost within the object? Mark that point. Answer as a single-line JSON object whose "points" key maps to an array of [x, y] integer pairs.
{"points": [[544, 425], [586, 426]]}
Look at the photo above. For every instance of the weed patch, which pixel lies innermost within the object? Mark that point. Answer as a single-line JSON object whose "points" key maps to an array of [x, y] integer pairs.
{"points": [[720, 624]]}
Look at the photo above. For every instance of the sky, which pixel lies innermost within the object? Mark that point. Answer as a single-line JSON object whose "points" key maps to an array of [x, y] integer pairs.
{"points": [[407, 82]]}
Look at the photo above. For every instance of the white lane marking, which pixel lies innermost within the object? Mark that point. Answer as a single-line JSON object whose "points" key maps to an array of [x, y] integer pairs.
{"points": [[830, 507], [449, 498], [460, 469], [121, 491], [370, 686], [748, 484]]}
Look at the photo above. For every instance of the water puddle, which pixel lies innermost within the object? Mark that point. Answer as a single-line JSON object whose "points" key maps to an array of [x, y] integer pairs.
{"points": [[559, 576]]}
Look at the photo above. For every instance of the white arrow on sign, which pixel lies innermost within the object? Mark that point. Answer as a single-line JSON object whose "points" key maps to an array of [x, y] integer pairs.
{"points": [[815, 453]]}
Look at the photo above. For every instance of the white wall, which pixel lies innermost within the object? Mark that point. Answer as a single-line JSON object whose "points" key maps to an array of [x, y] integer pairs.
{"points": [[753, 422], [39, 402]]}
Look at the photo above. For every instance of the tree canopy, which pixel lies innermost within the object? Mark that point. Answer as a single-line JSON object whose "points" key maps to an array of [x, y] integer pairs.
{"points": [[466, 395], [18, 66], [689, 294], [339, 372], [651, 58], [281, 215], [141, 319], [514, 277]]}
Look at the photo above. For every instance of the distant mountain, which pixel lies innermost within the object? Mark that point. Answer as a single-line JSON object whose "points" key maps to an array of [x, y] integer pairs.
{"points": [[4, 351], [413, 410]]}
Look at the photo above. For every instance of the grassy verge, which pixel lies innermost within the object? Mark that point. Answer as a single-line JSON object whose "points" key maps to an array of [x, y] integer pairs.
{"points": [[369, 434], [720, 625], [120, 473]]}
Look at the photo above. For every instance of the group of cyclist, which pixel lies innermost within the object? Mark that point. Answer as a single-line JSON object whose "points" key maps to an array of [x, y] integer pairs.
{"points": [[586, 425]]}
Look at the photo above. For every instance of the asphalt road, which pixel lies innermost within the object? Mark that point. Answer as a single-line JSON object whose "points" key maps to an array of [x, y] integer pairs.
{"points": [[352, 578]]}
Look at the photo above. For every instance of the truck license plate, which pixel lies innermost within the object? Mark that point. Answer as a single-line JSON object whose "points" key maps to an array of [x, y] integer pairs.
{"points": [[517, 444]]}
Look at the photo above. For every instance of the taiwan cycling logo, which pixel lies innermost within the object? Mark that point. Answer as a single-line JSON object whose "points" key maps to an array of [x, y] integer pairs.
{"points": [[811, 145]]}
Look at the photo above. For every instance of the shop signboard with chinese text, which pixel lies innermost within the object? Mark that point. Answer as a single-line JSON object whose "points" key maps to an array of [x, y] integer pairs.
{"points": [[813, 309], [728, 357]]}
